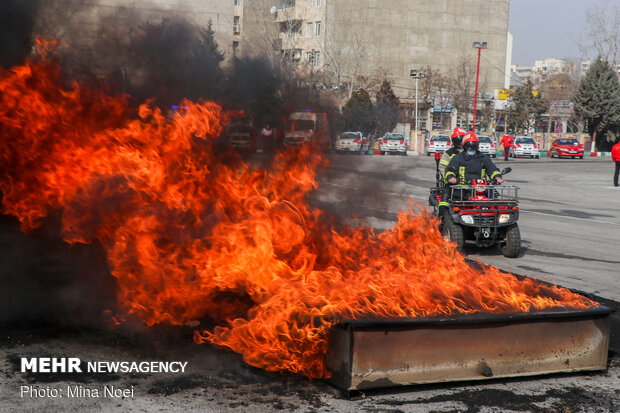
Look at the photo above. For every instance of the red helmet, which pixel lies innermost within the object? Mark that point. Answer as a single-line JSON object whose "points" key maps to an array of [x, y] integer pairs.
{"points": [[457, 136], [458, 131], [470, 141]]}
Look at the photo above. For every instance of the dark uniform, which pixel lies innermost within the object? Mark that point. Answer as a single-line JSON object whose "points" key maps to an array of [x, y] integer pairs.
{"points": [[466, 168]]}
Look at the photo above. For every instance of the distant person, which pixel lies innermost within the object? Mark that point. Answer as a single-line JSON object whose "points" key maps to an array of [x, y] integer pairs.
{"points": [[615, 156], [506, 142], [267, 138]]}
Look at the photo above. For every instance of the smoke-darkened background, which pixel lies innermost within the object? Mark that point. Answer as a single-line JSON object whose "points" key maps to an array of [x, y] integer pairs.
{"points": [[162, 57]]}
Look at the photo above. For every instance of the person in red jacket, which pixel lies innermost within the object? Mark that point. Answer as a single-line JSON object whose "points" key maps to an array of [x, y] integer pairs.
{"points": [[506, 142], [615, 156]]}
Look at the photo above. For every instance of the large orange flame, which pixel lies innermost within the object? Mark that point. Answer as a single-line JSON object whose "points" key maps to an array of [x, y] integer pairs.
{"points": [[188, 236]]}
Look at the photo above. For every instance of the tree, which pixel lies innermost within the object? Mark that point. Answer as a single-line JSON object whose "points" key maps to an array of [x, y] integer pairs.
{"points": [[525, 108], [253, 87], [436, 91], [386, 109], [557, 90], [603, 32], [174, 60], [357, 113], [597, 101], [462, 87]]}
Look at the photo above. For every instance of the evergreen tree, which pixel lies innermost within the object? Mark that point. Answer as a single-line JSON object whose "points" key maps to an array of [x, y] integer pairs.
{"points": [[357, 113], [175, 60], [386, 109], [525, 107], [204, 65], [597, 101]]}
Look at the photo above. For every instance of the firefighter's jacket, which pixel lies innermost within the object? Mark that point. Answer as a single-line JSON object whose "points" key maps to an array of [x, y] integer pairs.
{"points": [[446, 156], [467, 168]]}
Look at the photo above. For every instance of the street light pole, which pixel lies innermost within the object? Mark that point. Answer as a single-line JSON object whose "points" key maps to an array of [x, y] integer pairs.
{"points": [[416, 75], [479, 46]]}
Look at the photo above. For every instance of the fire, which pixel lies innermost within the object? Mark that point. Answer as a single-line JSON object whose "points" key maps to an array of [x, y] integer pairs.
{"points": [[190, 237]]}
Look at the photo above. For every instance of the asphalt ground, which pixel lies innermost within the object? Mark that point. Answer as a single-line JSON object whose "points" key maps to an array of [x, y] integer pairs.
{"points": [[569, 226]]}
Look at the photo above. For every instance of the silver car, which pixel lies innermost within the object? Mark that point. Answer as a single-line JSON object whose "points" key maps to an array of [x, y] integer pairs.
{"points": [[525, 146], [438, 144], [487, 146], [393, 143], [352, 142]]}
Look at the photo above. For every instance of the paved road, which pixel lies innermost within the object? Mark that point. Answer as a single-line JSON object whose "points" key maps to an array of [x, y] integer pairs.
{"points": [[570, 225], [570, 212]]}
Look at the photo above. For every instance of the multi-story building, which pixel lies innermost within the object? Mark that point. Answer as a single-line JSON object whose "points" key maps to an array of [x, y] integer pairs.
{"points": [[355, 37]]}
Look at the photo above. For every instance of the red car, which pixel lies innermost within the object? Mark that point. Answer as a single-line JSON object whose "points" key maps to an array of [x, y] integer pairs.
{"points": [[567, 147]]}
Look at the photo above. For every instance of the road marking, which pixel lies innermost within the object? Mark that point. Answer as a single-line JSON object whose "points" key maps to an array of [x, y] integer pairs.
{"points": [[569, 217]]}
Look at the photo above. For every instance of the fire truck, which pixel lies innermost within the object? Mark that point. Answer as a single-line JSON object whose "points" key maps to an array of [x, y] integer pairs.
{"points": [[308, 127]]}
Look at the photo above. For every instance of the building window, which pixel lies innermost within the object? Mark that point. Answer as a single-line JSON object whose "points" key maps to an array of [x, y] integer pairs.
{"points": [[295, 30], [236, 25], [235, 47], [236, 2], [317, 58], [310, 3], [318, 28], [318, 2], [308, 57], [309, 32]]}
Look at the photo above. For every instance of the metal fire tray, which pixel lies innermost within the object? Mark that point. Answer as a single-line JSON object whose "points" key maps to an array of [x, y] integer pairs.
{"points": [[366, 354]]}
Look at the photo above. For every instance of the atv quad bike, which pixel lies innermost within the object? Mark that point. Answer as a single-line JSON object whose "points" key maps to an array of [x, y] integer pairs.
{"points": [[482, 214]]}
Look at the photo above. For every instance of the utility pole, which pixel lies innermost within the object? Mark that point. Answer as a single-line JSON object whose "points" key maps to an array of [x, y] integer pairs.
{"points": [[479, 46], [416, 75]]}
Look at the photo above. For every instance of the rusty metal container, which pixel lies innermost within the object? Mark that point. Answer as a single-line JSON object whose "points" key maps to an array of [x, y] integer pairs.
{"points": [[367, 354]]}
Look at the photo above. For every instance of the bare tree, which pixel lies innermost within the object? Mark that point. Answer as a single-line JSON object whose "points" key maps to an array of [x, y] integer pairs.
{"points": [[602, 32], [281, 40], [462, 86], [436, 91], [347, 52], [557, 90]]}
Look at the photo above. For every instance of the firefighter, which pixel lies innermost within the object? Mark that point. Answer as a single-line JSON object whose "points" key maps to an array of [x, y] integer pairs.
{"points": [[457, 137], [471, 164], [466, 166], [506, 142]]}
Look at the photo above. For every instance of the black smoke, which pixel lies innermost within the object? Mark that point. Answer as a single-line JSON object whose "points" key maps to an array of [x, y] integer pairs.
{"points": [[17, 18], [163, 59]]}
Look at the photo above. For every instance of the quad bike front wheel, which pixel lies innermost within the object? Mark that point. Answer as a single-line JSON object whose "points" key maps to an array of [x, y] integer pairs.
{"points": [[453, 232], [512, 244]]}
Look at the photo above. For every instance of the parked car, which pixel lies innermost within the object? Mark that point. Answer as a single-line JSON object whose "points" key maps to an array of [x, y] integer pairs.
{"points": [[393, 143], [438, 144], [525, 146], [568, 147], [240, 135], [487, 146], [352, 142]]}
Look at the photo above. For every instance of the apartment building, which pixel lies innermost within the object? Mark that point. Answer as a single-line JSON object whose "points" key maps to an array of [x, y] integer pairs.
{"points": [[353, 37]]}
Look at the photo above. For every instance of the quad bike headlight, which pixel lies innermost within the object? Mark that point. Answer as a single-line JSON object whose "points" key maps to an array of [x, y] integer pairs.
{"points": [[467, 219], [504, 218]]}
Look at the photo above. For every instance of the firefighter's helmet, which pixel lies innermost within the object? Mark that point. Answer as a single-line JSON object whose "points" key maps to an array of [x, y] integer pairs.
{"points": [[457, 136], [470, 141]]}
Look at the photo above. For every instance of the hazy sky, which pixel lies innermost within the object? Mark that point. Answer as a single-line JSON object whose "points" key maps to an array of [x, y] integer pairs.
{"points": [[547, 28]]}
